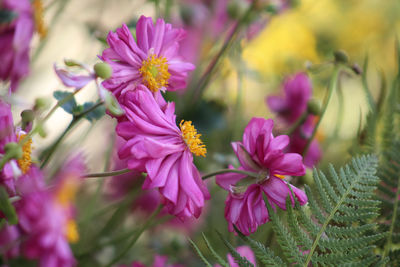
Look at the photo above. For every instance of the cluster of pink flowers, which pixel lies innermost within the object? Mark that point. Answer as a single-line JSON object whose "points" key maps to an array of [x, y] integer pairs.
{"points": [[154, 142]]}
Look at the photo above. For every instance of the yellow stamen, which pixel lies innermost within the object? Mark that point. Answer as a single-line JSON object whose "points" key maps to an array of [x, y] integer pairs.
{"points": [[25, 162], [67, 191], [192, 138], [38, 11], [71, 231], [279, 176], [154, 72]]}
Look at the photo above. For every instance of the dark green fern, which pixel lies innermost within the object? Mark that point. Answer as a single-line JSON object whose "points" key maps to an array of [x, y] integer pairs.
{"points": [[340, 229]]}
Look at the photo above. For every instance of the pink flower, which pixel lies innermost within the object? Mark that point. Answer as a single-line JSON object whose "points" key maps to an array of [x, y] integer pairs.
{"points": [[13, 168], [290, 107], [152, 60], [262, 154], [159, 261], [156, 145], [46, 218], [15, 39], [74, 80], [245, 252]]}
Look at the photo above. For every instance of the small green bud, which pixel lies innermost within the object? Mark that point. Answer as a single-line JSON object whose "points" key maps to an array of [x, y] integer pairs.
{"points": [[72, 63], [27, 116], [41, 103], [314, 107], [340, 56], [13, 150], [102, 70], [41, 131]]}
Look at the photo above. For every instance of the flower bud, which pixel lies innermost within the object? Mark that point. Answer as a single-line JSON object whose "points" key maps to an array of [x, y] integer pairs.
{"points": [[41, 103], [27, 116], [41, 131], [356, 69], [314, 107], [102, 70], [13, 150], [340, 56], [111, 102]]}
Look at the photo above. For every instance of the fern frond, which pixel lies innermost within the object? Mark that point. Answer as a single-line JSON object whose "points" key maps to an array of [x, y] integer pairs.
{"points": [[241, 261], [196, 248], [263, 254], [215, 254]]}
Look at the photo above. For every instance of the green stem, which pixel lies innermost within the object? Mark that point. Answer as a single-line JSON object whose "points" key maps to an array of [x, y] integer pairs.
{"points": [[106, 174], [332, 86], [251, 174], [299, 122], [205, 78], [148, 223], [76, 118], [394, 216]]}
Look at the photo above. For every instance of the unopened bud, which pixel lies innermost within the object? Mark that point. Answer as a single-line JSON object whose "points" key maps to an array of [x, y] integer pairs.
{"points": [[313, 107], [41, 103], [103, 70], [340, 56], [13, 150], [41, 131], [111, 103], [357, 70], [27, 116]]}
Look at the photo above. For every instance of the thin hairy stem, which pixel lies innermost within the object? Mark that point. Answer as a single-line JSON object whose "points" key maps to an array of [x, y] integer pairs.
{"points": [[251, 174]]}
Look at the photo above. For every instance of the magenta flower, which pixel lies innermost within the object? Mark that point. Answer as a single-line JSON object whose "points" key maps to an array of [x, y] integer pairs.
{"points": [[152, 60], [15, 38], [156, 145], [74, 80], [290, 107], [245, 252], [262, 154], [46, 218], [13, 168]]}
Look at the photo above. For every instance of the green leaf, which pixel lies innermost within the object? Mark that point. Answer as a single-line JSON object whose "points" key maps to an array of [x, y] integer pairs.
{"points": [[7, 208], [215, 254], [96, 114], [199, 253], [242, 261], [66, 100]]}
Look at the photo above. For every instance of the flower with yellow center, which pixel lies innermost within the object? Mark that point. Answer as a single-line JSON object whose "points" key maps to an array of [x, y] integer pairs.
{"points": [[155, 73], [71, 231], [25, 161], [38, 11], [192, 138]]}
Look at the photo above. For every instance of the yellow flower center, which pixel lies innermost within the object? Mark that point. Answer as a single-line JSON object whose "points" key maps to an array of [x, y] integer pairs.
{"points": [[38, 11], [279, 176], [154, 72], [71, 231], [67, 191], [192, 138], [25, 161]]}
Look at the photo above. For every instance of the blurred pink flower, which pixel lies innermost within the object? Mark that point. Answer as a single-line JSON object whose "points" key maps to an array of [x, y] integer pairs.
{"points": [[156, 145], [46, 218], [74, 80], [159, 261], [290, 107], [245, 252], [15, 39], [152, 60], [263, 154]]}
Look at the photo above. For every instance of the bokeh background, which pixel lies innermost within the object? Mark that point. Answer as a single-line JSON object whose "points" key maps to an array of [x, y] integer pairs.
{"points": [[298, 38]]}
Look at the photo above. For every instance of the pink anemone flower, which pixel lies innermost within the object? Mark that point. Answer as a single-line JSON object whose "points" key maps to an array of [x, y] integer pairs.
{"points": [[157, 146], [152, 59], [46, 222], [262, 154], [290, 107]]}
